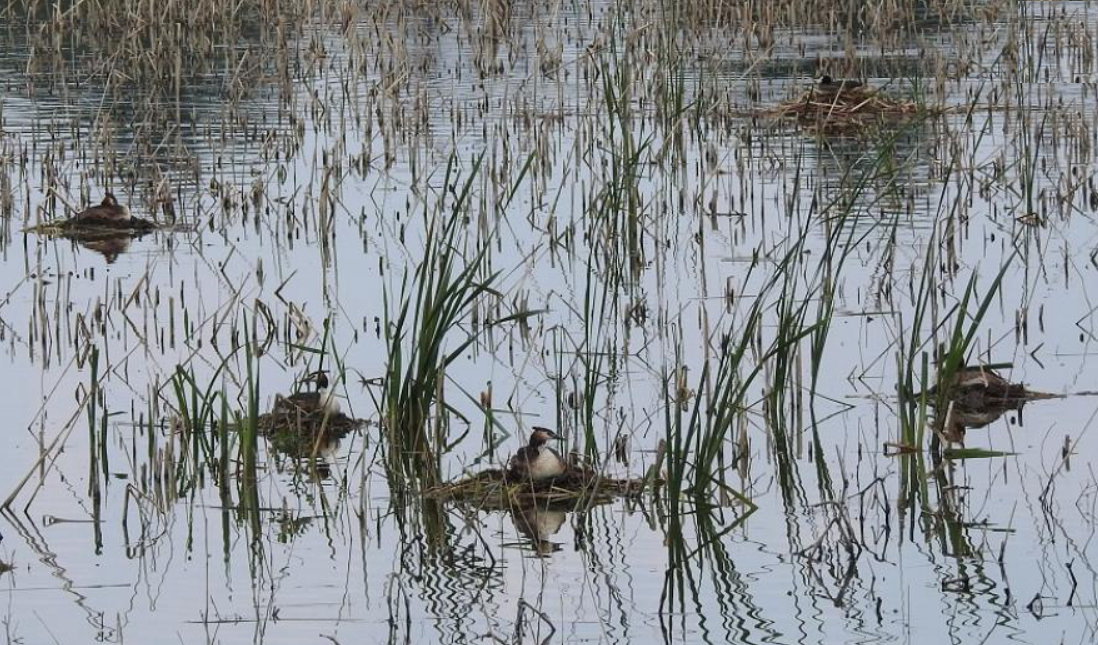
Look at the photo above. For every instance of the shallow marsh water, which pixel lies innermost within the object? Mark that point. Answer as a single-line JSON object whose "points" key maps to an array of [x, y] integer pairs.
{"points": [[635, 192]]}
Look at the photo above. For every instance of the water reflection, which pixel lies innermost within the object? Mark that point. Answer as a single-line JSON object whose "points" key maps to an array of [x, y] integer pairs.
{"points": [[307, 425], [538, 523], [305, 452], [959, 418], [370, 546], [109, 246]]}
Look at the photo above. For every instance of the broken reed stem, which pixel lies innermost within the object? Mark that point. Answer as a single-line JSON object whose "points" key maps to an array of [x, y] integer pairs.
{"points": [[57, 442]]}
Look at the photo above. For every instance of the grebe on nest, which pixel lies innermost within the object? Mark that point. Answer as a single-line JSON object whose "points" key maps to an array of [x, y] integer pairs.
{"points": [[536, 461]]}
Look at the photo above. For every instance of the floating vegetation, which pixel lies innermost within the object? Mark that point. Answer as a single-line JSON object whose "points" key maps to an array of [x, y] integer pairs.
{"points": [[5, 567], [494, 489], [106, 220], [106, 229]]}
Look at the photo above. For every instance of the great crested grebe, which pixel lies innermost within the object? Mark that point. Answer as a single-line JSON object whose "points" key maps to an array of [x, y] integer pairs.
{"points": [[320, 400], [108, 210], [536, 461]]}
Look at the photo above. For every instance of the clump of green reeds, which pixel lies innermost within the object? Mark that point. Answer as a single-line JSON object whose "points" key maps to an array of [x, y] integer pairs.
{"points": [[220, 434], [950, 356], [429, 309], [953, 354], [792, 308]]}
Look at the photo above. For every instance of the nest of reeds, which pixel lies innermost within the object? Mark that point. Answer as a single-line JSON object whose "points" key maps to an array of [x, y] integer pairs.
{"points": [[975, 397], [496, 489], [297, 432], [90, 229], [979, 388], [845, 108]]}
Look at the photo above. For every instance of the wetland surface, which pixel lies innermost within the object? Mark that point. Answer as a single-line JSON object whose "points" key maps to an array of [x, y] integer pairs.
{"points": [[636, 223]]}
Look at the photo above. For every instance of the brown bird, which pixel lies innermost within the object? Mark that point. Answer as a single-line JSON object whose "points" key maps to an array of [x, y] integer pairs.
{"points": [[109, 210]]}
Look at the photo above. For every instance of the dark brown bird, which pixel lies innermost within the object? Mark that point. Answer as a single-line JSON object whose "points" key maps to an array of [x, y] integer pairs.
{"points": [[536, 461], [109, 210]]}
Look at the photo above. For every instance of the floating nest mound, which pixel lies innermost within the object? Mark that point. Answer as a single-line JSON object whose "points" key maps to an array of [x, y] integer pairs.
{"points": [[497, 489], [297, 432], [845, 108], [975, 397], [979, 388], [107, 236], [95, 228]]}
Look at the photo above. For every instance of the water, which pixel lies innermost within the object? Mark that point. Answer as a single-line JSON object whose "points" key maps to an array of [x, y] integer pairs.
{"points": [[846, 542]]}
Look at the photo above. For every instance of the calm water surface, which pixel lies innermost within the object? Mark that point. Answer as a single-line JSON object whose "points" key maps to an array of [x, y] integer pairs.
{"points": [[994, 549]]}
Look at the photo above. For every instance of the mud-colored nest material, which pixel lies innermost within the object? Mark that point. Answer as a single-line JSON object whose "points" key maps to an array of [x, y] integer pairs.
{"points": [[975, 397], [846, 108], [978, 388], [95, 228], [297, 432], [496, 489]]}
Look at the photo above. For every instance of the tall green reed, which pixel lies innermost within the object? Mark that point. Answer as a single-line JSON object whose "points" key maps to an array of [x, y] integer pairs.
{"points": [[429, 308]]}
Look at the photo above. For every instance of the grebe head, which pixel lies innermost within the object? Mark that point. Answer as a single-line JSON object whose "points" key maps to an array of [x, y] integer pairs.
{"points": [[328, 401], [540, 436], [320, 377], [109, 200]]}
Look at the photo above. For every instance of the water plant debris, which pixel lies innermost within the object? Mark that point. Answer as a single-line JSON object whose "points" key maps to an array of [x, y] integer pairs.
{"points": [[977, 387], [298, 431], [494, 489], [844, 105]]}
